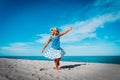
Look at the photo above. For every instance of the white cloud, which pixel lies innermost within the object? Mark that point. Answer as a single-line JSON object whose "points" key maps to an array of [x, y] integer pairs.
{"points": [[43, 37], [83, 29], [86, 29], [92, 50], [20, 48], [17, 47]]}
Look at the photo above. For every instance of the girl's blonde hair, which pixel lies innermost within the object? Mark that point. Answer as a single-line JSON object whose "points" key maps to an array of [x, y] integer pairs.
{"points": [[51, 29]]}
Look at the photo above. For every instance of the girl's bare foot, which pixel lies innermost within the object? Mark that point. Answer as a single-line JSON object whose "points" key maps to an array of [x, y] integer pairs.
{"points": [[56, 68]]}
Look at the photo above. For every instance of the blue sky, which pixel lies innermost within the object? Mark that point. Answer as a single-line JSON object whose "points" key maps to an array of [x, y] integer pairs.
{"points": [[25, 25]]}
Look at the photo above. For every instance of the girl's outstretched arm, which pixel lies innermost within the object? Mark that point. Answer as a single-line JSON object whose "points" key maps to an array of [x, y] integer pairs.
{"points": [[66, 31], [46, 45]]}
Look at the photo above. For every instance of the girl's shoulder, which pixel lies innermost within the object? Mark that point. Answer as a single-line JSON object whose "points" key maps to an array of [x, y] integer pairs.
{"points": [[51, 37]]}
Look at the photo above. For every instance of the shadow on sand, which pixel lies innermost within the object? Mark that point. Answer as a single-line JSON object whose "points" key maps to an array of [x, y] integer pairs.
{"points": [[71, 66]]}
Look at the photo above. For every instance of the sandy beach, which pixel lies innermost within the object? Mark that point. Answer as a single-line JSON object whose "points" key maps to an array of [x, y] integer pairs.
{"points": [[16, 69]]}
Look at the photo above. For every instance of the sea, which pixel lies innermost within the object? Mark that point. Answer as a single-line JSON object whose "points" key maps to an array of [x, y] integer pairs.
{"points": [[88, 59]]}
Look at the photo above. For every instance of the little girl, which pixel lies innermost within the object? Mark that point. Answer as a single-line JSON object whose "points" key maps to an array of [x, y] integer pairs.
{"points": [[55, 52]]}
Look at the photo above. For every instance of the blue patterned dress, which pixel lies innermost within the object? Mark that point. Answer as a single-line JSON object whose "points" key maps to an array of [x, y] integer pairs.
{"points": [[55, 51]]}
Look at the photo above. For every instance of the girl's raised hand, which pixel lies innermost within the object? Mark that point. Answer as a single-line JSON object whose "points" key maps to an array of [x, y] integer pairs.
{"points": [[71, 28]]}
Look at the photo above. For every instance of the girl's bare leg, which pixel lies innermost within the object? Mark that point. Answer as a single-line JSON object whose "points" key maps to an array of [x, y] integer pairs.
{"points": [[57, 63]]}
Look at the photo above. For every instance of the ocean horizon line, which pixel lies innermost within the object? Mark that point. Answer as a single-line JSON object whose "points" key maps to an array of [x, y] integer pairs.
{"points": [[93, 59]]}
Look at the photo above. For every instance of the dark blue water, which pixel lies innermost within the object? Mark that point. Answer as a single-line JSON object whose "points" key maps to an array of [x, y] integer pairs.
{"points": [[93, 59]]}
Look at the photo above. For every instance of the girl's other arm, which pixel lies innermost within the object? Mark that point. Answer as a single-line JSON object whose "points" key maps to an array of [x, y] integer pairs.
{"points": [[66, 31], [46, 45]]}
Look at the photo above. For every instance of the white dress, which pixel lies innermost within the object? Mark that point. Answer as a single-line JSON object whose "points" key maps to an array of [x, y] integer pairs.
{"points": [[55, 51]]}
